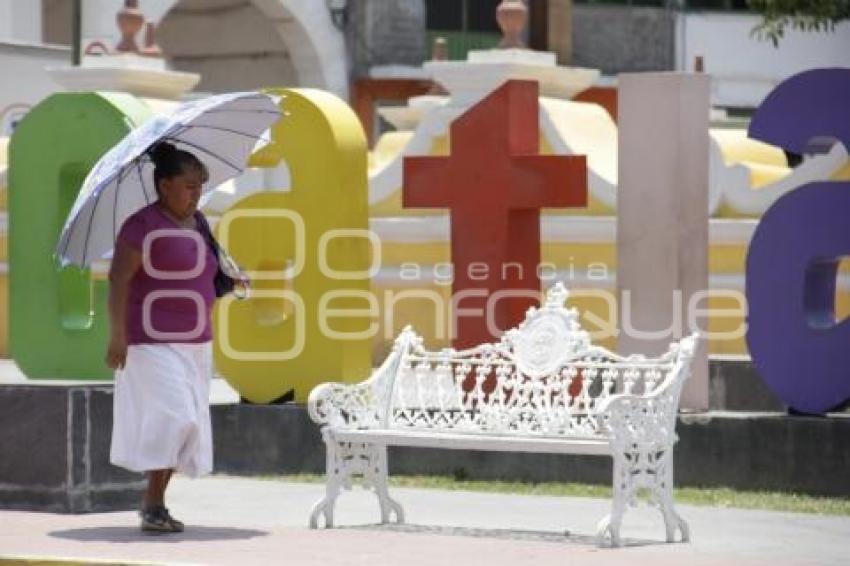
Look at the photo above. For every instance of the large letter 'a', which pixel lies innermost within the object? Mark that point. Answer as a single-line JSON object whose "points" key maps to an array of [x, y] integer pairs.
{"points": [[799, 348]]}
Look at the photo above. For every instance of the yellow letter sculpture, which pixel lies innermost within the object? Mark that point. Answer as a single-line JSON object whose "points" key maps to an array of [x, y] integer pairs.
{"points": [[302, 246]]}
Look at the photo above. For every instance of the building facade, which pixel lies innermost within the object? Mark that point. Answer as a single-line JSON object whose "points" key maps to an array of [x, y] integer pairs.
{"points": [[236, 44]]}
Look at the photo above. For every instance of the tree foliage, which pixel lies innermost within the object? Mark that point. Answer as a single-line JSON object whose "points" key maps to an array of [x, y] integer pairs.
{"points": [[803, 15]]}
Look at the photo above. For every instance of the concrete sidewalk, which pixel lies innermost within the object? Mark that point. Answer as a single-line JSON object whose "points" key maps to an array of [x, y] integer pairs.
{"points": [[245, 522]]}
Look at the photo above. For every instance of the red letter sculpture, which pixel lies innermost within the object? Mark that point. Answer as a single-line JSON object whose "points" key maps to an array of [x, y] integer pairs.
{"points": [[494, 184]]}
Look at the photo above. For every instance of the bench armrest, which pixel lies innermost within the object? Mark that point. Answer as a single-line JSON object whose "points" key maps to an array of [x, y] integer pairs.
{"points": [[632, 420], [649, 419], [359, 405], [341, 405]]}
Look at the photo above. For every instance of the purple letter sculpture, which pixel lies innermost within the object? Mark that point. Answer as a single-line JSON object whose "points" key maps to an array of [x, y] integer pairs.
{"points": [[799, 349]]}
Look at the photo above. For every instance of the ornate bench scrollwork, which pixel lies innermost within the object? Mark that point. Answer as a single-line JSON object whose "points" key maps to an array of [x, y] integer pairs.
{"points": [[542, 388]]}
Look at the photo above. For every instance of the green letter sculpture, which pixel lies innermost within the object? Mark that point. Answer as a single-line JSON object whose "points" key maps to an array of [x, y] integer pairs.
{"points": [[58, 328]]}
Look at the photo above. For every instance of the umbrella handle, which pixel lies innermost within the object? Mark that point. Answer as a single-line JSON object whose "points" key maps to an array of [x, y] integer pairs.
{"points": [[242, 289]]}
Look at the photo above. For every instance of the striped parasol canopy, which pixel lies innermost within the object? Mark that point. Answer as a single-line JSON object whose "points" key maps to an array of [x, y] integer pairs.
{"points": [[221, 130]]}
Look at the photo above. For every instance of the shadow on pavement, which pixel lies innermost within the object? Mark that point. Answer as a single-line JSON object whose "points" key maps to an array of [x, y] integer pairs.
{"points": [[565, 537], [131, 534]]}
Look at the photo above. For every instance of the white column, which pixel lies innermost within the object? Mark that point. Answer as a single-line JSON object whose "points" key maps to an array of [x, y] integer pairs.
{"points": [[662, 213], [5, 20], [20, 21]]}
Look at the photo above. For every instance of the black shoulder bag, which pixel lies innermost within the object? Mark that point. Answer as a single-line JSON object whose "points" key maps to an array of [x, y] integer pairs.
{"points": [[223, 282]]}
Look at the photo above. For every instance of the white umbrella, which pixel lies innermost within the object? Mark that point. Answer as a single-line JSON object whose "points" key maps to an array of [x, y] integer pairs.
{"points": [[222, 131]]}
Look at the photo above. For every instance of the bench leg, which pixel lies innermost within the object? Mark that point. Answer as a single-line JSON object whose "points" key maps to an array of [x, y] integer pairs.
{"points": [[379, 482], [649, 470], [345, 461], [623, 492], [663, 495], [334, 481]]}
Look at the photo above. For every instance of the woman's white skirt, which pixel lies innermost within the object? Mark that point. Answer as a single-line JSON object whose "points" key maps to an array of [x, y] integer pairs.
{"points": [[161, 417]]}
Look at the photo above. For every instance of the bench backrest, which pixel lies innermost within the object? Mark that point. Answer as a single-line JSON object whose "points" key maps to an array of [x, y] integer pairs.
{"points": [[544, 378]]}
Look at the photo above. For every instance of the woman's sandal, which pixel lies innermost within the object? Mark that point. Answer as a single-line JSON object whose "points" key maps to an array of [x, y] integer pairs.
{"points": [[157, 519]]}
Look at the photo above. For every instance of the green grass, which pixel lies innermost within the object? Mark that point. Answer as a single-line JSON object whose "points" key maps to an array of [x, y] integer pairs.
{"points": [[708, 497]]}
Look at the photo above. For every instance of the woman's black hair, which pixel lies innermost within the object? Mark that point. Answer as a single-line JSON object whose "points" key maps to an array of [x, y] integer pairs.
{"points": [[169, 162]]}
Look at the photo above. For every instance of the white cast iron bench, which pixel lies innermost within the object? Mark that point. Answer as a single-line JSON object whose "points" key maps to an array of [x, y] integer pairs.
{"points": [[542, 388]]}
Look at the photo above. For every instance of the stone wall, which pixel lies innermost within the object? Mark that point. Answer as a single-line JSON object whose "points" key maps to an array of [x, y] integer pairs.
{"points": [[54, 450], [618, 39], [614, 39], [385, 33], [739, 450]]}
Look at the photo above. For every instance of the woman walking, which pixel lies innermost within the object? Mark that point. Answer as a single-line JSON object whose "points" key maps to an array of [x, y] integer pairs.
{"points": [[160, 302]]}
